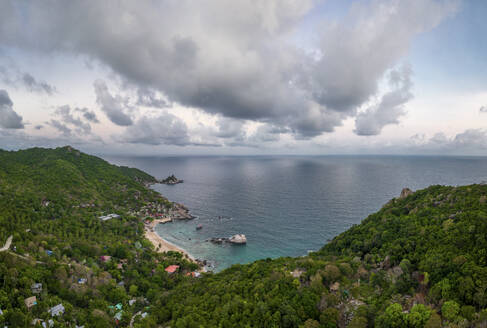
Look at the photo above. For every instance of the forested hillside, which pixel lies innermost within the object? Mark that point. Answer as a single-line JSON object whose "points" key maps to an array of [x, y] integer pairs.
{"points": [[50, 203], [420, 261]]}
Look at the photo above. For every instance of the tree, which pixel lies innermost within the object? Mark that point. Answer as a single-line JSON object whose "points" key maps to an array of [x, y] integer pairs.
{"points": [[450, 310], [329, 317], [331, 273], [434, 321], [418, 316], [392, 317], [311, 323], [358, 322]]}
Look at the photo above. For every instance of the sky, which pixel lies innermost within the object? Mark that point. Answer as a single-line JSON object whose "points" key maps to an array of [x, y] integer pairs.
{"points": [[179, 77]]}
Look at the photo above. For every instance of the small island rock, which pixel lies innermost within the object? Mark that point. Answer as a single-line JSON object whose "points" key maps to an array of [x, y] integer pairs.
{"points": [[238, 239], [171, 180]]}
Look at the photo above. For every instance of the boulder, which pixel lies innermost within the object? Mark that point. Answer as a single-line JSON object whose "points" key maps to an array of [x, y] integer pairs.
{"points": [[405, 192], [238, 239]]}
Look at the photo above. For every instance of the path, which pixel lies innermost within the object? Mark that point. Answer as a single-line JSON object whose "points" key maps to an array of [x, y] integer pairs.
{"points": [[7, 244], [133, 318]]}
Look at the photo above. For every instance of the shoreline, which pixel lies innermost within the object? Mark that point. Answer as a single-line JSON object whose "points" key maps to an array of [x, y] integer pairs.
{"points": [[161, 245]]}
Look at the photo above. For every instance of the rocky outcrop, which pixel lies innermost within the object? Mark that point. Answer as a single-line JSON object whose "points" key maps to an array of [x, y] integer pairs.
{"points": [[405, 192], [238, 239], [180, 212], [171, 180]]}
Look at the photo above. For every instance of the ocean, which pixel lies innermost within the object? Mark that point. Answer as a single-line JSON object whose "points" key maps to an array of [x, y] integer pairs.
{"points": [[287, 205]]}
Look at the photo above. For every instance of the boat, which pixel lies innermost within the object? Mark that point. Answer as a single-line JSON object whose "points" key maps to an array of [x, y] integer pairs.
{"points": [[199, 227]]}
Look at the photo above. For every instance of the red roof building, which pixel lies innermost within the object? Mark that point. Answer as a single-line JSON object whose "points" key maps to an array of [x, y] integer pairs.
{"points": [[172, 268], [105, 258]]}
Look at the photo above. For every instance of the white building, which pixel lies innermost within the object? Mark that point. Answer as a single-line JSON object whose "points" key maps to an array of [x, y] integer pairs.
{"points": [[109, 217], [56, 310]]}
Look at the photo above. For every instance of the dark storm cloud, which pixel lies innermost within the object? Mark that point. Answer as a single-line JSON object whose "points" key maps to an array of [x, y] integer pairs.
{"points": [[9, 119], [391, 105], [231, 58], [36, 86], [115, 107]]}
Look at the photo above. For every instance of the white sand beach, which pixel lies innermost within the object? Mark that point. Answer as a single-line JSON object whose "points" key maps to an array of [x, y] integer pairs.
{"points": [[160, 244]]}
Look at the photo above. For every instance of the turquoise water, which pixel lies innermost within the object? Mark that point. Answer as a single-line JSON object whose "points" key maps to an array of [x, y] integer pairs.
{"points": [[287, 206]]}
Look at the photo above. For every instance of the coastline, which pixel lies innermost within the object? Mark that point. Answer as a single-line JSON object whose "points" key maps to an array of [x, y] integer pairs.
{"points": [[160, 244]]}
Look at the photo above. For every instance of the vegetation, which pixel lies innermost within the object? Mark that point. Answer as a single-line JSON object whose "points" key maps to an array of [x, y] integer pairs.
{"points": [[420, 261], [50, 201]]}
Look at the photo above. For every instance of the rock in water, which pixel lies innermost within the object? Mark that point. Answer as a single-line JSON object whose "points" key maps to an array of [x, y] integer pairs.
{"points": [[238, 239], [405, 192]]}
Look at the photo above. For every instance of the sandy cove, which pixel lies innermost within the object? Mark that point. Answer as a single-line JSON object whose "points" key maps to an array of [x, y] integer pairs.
{"points": [[161, 245]]}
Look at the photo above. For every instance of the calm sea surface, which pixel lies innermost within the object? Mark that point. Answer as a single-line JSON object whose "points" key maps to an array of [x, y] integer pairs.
{"points": [[287, 206]]}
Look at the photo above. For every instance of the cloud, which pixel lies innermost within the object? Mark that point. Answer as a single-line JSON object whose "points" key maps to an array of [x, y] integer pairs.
{"points": [[36, 86], [150, 98], [63, 128], [89, 115], [390, 107], [229, 128], [18, 139], [71, 121], [483, 109], [11, 75], [236, 133], [164, 129], [115, 107], [232, 58], [66, 114], [9, 119], [470, 141]]}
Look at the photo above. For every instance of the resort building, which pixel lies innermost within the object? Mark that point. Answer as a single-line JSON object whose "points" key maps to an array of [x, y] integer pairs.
{"points": [[56, 310], [105, 258], [30, 302], [36, 288], [109, 217], [172, 268]]}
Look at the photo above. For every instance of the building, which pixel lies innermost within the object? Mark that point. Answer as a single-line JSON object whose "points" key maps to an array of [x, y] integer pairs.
{"points": [[172, 268], [56, 310], [36, 288], [118, 315], [30, 302], [105, 258], [109, 217], [297, 273]]}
